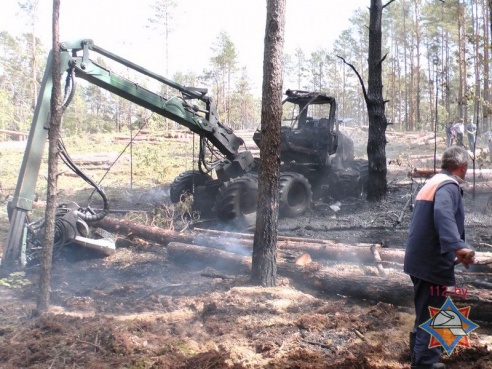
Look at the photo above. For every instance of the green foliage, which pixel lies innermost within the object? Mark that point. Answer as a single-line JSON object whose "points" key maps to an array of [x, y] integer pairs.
{"points": [[149, 164], [173, 216], [221, 75], [7, 110], [94, 110], [17, 91], [15, 280]]}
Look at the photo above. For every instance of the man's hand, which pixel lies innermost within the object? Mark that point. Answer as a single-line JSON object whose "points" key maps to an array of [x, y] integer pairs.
{"points": [[465, 257]]}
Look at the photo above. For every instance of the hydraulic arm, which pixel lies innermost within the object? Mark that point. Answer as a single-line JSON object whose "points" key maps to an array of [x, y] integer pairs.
{"points": [[77, 61]]}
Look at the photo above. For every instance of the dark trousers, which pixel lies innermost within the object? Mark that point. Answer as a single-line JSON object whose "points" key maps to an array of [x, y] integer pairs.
{"points": [[425, 294]]}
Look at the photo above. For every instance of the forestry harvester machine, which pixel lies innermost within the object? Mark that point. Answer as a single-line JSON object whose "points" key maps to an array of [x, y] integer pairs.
{"points": [[226, 176]]}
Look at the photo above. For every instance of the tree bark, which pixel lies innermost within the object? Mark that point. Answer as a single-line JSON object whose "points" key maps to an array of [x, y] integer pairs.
{"points": [[43, 299], [153, 234], [264, 268], [486, 67], [463, 86], [376, 143]]}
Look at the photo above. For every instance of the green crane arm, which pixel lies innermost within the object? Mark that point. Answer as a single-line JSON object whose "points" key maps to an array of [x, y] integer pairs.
{"points": [[175, 108], [76, 58]]}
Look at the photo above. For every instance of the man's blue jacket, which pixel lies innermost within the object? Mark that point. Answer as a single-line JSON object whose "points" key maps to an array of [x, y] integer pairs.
{"points": [[437, 229]]}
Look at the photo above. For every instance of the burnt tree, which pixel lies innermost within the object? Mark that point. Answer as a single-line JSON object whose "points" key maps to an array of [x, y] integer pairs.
{"points": [[376, 141], [54, 133], [373, 96], [264, 267]]}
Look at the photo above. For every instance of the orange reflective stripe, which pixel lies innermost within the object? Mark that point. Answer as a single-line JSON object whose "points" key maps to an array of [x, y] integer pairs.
{"points": [[429, 190]]}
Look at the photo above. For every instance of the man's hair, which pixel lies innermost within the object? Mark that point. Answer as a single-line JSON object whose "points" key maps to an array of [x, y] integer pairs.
{"points": [[453, 157]]}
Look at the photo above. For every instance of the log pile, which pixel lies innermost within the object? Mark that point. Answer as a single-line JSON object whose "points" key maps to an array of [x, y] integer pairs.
{"points": [[480, 174], [305, 261]]}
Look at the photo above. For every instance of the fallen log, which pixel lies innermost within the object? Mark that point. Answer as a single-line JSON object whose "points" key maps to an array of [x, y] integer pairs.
{"points": [[153, 234], [330, 250], [395, 289], [199, 256], [421, 157], [318, 248], [242, 243], [377, 258], [422, 139], [279, 237], [482, 174]]}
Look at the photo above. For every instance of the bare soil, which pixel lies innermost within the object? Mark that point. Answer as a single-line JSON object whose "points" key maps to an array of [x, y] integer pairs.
{"points": [[137, 309]]}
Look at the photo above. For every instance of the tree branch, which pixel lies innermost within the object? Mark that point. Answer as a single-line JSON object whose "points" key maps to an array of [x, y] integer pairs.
{"points": [[383, 59], [358, 76], [389, 2]]}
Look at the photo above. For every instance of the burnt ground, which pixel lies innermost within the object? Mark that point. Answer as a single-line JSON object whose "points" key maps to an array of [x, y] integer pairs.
{"points": [[137, 309]]}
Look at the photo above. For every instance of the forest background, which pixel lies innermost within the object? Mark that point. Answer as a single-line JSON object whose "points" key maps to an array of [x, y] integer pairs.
{"points": [[436, 70]]}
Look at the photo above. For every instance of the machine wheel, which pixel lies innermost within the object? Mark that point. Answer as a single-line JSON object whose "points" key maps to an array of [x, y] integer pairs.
{"points": [[185, 183], [362, 167], [295, 194], [237, 199]]}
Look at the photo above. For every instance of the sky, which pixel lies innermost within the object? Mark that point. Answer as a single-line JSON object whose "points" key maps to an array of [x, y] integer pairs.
{"points": [[122, 27]]}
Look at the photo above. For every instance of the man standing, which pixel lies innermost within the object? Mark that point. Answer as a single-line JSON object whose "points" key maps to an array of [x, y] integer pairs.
{"points": [[460, 129], [488, 137], [436, 242], [450, 133], [471, 130]]}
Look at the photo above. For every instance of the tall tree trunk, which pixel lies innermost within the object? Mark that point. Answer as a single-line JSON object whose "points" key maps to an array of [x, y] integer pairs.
{"points": [[411, 87], [34, 69], [446, 74], [394, 73], [462, 111], [264, 262], [486, 69], [408, 126], [376, 144], [417, 60], [54, 133], [430, 90], [400, 93], [476, 47]]}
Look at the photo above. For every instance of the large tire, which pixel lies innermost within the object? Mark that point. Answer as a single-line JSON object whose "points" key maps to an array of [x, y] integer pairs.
{"points": [[351, 182], [362, 167], [237, 199], [295, 195], [185, 183]]}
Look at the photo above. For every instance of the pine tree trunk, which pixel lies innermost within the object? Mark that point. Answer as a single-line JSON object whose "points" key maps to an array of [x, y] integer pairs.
{"points": [[486, 69], [54, 133], [417, 58], [462, 112], [264, 267], [376, 145], [476, 47]]}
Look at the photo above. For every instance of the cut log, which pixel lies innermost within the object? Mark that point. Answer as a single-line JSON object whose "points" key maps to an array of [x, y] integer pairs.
{"points": [[396, 289], [20, 135], [423, 139], [153, 234], [200, 257], [377, 258], [242, 243], [318, 248], [482, 174]]}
